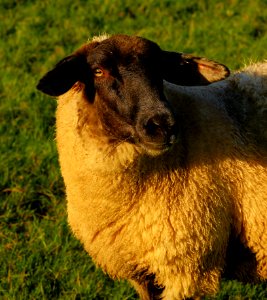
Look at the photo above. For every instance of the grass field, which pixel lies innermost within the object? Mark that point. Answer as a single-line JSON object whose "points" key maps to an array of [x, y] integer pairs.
{"points": [[39, 258]]}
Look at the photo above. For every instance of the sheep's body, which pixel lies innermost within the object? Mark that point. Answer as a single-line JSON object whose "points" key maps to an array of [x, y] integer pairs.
{"points": [[170, 215], [134, 215], [172, 222]]}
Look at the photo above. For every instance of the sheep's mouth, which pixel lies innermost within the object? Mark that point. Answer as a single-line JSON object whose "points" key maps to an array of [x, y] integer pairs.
{"points": [[155, 148]]}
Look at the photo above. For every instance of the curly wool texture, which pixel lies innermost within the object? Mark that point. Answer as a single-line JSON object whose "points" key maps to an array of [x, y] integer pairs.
{"points": [[172, 215]]}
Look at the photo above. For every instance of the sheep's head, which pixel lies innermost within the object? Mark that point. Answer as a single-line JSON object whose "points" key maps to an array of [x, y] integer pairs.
{"points": [[123, 78]]}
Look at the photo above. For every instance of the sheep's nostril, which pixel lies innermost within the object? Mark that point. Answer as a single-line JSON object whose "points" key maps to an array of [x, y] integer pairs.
{"points": [[160, 129], [153, 127]]}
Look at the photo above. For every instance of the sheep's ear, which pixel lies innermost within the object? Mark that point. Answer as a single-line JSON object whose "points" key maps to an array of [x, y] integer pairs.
{"points": [[186, 69], [63, 76]]}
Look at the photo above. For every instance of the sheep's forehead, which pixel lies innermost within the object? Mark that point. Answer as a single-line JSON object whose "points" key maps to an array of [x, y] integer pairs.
{"points": [[126, 45]]}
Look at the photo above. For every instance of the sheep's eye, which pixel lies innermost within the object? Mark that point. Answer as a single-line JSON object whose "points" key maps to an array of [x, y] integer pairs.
{"points": [[98, 72]]}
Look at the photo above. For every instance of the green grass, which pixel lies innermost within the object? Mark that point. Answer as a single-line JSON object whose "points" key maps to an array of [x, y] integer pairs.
{"points": [[39, 258]]}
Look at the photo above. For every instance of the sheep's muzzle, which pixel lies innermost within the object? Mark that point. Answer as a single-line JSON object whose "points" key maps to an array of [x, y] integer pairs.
{"points": [[157, 131]]}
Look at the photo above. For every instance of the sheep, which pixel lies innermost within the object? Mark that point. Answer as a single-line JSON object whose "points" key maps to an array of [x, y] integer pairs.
{"points": [[164, 162]]}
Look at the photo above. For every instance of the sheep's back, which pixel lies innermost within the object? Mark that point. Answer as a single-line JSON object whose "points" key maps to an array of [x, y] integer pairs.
{"points": [[251, 85]]}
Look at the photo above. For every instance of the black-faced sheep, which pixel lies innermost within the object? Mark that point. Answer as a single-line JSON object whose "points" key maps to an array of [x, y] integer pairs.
{"points": [[166, 184]]}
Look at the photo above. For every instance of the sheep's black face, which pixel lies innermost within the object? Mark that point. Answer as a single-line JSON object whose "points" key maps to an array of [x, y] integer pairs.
{"points": [[123, 79], [129, 93]]}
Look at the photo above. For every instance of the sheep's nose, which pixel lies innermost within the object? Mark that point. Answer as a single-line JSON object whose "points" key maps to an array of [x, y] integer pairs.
{"points": [[160, 129]]}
